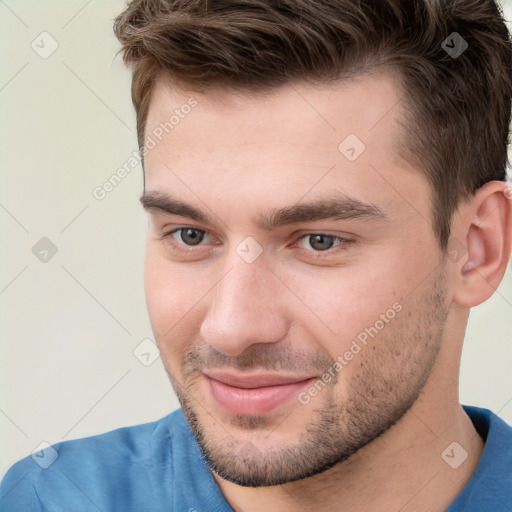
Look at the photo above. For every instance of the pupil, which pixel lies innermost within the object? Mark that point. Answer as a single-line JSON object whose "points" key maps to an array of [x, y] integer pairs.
{"points": [[192, 236], [321, 242]]}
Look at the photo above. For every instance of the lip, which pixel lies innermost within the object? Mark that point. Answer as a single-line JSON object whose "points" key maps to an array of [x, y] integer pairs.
{"points": [[253, 394]]}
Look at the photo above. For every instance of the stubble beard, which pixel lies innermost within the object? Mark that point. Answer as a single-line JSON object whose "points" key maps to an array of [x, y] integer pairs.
{"points": [[391, 373]]}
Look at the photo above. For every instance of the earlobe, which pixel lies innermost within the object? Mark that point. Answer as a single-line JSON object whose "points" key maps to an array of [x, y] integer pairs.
{"points": [[486, 228]]}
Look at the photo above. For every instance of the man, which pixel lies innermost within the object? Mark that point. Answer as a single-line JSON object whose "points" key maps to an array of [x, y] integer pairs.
{"points": [[327, 199]]}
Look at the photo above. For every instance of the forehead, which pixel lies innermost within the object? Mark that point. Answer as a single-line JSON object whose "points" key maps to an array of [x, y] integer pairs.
{"points": [[362, 104], [299, 139]]}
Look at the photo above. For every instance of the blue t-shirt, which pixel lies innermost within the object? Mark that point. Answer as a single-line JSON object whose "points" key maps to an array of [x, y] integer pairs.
{"points": [[158, 467]]}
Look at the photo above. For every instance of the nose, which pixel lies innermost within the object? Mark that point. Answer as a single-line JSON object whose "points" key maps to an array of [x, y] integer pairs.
{"points": [[245, 308]]}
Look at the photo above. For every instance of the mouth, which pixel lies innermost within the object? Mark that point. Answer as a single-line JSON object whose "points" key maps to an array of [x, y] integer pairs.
{"points": [[253, 394]]}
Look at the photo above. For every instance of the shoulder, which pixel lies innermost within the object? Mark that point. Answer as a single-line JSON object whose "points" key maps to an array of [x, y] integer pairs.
{"points": [[490, 487], [94, 466]]}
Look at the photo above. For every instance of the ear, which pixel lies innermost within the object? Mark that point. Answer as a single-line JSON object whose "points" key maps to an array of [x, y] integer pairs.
{"points": [[484, 227]]}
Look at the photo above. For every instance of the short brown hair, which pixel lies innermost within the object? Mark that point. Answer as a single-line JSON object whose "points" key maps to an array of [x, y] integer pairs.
{"points": [[456, 107]]}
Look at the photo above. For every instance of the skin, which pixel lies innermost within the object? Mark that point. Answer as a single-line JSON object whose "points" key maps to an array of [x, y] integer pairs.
{"points": [[390, 412]]}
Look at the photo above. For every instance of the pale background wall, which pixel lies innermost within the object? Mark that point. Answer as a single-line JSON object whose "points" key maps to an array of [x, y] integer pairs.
{"points": [[69, 326]]}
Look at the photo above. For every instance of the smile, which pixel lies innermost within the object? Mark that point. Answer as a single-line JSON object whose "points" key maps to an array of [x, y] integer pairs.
{"points": [[255, 394]]}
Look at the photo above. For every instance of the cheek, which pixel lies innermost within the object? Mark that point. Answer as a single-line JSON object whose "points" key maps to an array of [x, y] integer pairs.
{"points": [[173, 298], [352, 303], [343, 301]]}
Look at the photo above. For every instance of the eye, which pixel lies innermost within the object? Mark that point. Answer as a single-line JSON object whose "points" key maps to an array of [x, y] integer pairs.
{"points": [[320, 242], [184, 237], [191, 236]]}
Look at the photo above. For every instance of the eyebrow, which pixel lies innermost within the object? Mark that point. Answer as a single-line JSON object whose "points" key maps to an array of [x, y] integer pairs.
{"points": [[340, 207]]}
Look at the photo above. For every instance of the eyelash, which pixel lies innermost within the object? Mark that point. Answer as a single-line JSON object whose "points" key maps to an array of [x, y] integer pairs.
{"points": [[312, 253]]}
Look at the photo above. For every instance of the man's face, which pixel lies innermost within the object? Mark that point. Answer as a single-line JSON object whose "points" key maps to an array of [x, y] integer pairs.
{"points": [[294, 284]]}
